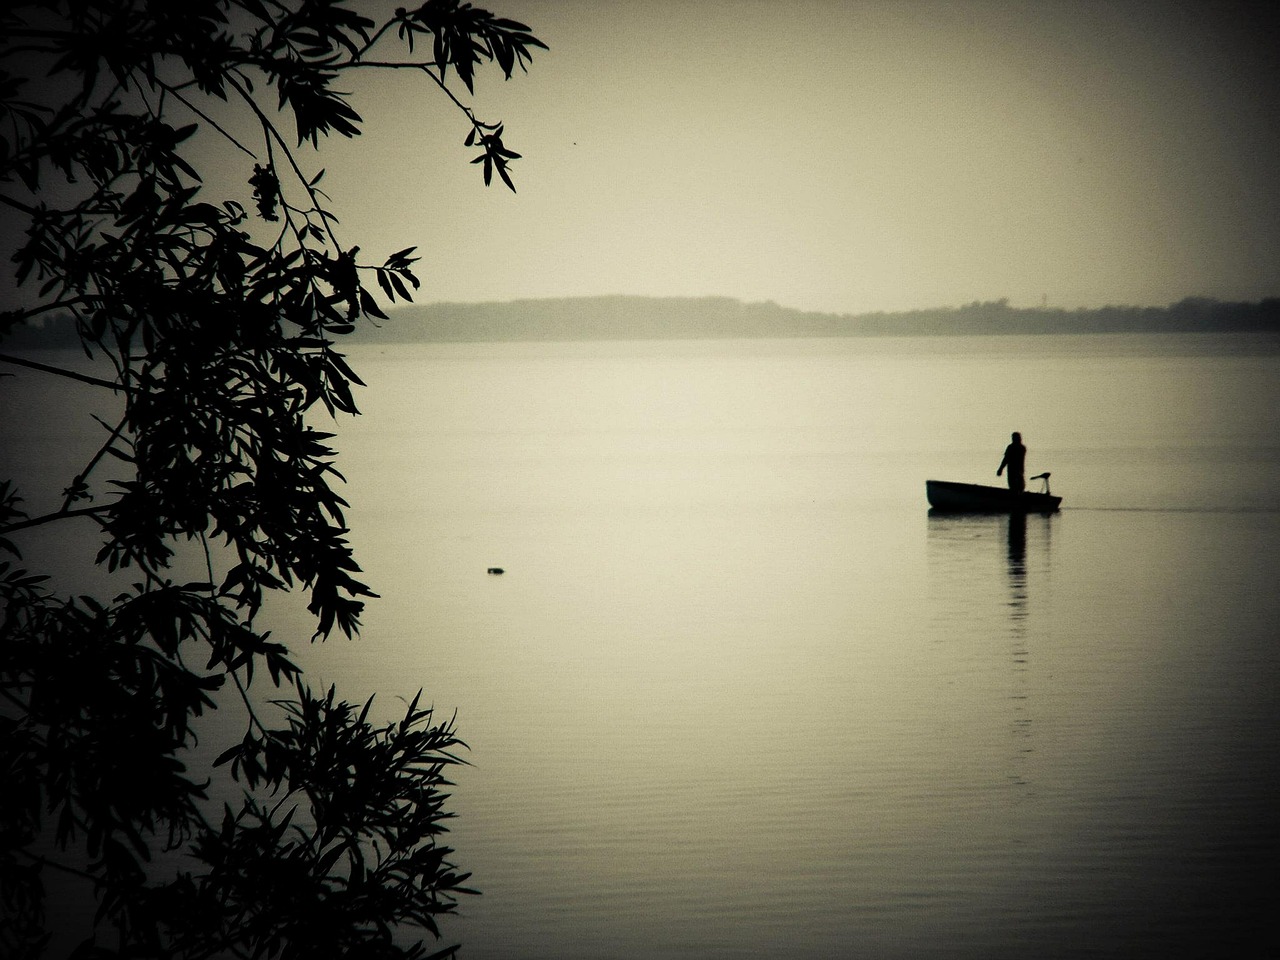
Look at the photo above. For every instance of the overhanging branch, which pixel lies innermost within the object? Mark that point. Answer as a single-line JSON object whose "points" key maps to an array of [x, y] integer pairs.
{"points": [[60, 372], [51, 517]]}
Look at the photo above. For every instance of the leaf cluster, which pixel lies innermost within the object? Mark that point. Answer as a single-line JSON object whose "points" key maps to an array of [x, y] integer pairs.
{"points": [[214, 335], [464, 36]]}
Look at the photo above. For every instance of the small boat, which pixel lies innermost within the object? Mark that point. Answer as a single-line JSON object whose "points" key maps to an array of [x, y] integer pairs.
{"points": [[947, 497]]}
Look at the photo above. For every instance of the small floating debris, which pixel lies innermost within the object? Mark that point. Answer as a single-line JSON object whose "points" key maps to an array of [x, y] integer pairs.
{"points": [[496, 571]]}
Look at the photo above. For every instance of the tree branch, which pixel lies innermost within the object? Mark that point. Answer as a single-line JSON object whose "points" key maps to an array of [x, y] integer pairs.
{"points": [[271, 133], [24, 315], [226, 134], [10, 202], [60, 372], [83, 475], [51, 517]]}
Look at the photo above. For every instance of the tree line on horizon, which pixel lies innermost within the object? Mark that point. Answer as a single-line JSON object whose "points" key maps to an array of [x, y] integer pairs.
{"points": [[637, 317], [621, 317]]}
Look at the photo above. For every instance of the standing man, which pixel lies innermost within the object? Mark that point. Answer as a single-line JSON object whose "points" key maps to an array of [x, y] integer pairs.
{"points": [[1015, 459]]}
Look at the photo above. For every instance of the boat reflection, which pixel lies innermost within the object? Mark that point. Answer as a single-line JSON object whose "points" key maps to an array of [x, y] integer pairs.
{"points": [[1017, 564], [962, 545], [1020, 724], [1001, 557]]}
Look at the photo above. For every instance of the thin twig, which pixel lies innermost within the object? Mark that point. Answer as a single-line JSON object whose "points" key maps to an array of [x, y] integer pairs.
{"points": [[97, 457], [9, 201], [273, 134], [51, 517], [60, 372], [56, 865], [208, 119], [32, 312]]}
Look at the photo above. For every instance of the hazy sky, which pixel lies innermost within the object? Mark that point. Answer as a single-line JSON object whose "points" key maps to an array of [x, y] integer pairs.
{"points": [[846, 156]]}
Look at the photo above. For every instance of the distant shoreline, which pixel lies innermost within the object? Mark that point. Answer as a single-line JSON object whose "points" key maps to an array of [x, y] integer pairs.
{"points": [[704, 318], [710, 318]]}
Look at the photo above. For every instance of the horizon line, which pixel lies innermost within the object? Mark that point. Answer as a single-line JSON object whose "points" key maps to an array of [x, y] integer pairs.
{"points": [[1000, 302]]}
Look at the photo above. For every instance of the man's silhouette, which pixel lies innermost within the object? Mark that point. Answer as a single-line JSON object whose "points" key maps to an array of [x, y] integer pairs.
{"points": [[1015, 459]]}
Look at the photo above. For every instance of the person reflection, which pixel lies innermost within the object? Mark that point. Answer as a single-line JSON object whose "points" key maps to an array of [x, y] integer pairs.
{"points": [[1021, 726], [1017, 544], [1018, 565], [1015, 461]]}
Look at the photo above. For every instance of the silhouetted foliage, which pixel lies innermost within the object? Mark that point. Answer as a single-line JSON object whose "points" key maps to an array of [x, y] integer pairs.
{"points": [[213, 335]]}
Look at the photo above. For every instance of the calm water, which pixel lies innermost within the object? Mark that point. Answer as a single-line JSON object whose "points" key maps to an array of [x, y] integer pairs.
{"points": [[739, 695]]}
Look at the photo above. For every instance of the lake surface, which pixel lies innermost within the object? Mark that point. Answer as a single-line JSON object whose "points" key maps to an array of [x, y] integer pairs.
{"points": [[738, 695]]}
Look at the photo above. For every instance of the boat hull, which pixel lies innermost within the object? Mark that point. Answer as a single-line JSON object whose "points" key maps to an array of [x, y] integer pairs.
{"points": [[947, 497]]}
